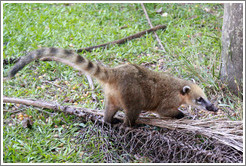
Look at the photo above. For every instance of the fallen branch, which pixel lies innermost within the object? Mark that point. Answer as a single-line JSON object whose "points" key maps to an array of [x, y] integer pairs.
{"points": [[53, 106], [121, 41], [156, 36], [226, 132]]}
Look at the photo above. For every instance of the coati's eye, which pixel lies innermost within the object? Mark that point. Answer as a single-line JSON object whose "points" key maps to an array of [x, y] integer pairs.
{"points": [[199, 100]]}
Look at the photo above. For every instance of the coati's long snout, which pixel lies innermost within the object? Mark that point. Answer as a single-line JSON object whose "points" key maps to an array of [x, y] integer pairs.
{"points": [[206, 104], [209, 106]]}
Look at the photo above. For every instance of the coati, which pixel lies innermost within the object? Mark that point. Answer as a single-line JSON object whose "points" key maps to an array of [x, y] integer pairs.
{"points": [[130, 87]]}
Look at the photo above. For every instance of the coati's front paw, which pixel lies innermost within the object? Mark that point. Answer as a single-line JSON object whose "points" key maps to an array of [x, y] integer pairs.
{"points": [[112, 121], [128, 123], [179, 115], [116, 121]]}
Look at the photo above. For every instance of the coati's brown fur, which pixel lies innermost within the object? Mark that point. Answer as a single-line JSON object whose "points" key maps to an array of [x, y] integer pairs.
{"points": [[130, 87]]}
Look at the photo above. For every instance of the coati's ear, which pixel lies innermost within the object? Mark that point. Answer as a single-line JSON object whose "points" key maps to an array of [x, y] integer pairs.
{"points": [[185, 90], [193, 80]]}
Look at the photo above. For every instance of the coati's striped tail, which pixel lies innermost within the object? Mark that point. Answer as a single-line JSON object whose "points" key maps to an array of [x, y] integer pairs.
{"points": [[68, 57]]}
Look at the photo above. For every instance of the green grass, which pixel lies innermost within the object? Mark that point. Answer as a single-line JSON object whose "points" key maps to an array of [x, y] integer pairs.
{"points": [[40, 143], [191, 40]]}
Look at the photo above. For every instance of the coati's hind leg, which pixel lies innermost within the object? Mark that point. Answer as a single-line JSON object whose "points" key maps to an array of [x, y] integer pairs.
{"points": [[130, 117], [110, 111]]}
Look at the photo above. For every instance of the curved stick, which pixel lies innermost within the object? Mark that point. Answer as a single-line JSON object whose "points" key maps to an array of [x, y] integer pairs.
{"points": [[147, 17], [121, 41]]}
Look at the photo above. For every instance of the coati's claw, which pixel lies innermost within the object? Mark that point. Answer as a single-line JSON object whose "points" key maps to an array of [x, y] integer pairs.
{"points": [[180, 115]]}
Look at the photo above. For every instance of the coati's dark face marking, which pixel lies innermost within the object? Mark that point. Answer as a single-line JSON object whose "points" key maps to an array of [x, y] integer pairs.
{"points": [[194, 95], [206, 104]]}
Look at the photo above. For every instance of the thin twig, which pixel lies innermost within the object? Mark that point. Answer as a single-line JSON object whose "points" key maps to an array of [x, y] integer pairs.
{"points": [[92, 87], [90, 81], [121, 41], [46, 81], [14, 112], [147, 17], [47, 112]]}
